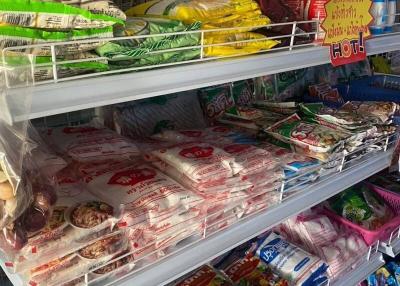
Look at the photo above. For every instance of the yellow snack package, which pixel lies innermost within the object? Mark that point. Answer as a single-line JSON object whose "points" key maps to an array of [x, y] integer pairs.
{"points": [[262, 43]]}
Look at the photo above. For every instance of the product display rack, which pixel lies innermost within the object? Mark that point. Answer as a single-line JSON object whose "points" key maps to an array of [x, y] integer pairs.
{"points": [[86, 93], [51, 99], [361, 271]]}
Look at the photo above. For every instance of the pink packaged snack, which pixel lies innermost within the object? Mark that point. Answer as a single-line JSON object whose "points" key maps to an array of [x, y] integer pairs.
{"points": [[87, 143], [198, 161], [140, 192]]}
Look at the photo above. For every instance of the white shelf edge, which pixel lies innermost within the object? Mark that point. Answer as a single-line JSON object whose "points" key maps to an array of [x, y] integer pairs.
{"points": [[75, 95], [392, 249], [361, 272], [197, 254], [15, 279]]}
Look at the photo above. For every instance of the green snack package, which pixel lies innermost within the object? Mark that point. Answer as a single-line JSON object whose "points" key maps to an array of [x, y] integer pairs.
{"points": [[51, 15], [216, 100], [351, 205], [103, 7], [11, 36], [242, 93], [139, 52]]}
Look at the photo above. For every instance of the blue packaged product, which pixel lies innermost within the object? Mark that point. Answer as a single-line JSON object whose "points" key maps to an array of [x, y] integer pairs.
{"points": [[291, 262]]}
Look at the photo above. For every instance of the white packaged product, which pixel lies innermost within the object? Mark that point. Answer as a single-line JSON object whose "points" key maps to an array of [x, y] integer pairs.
{"points": [[199, 161], [141, 192], [291, 262], [88, 143], [250, 159]]}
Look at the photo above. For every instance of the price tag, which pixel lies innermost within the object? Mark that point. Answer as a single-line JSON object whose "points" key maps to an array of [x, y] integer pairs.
{"points": [[346, 29]]}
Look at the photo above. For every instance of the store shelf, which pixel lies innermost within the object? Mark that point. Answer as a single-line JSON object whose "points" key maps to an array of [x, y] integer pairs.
{"points": [[80, 94], [14, 278], [392, 249], [361, 271], [193, 255]]}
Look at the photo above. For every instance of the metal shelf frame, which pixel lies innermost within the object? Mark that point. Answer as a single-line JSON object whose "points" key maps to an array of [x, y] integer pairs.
{"points": [[196, 254], [361, 271], [51, 99]]}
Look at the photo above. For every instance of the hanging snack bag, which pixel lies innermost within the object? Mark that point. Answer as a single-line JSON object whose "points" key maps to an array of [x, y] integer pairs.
{"points": [[51, 15]]}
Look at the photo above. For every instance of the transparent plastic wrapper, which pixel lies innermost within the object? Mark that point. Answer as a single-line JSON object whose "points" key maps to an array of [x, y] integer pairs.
{"points": [[90, 143], [216, 135], [205, 276], [315, 232], [141, 192], [291, 262], [76, 264], [199, 161], [77, 218], [168, 112], [15, 189]]}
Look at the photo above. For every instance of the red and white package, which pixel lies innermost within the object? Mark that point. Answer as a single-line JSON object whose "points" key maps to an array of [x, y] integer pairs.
{"points": [[213, 186], [250, 159], [315, 10], [141, 192], [198, 161], [87, 143]]}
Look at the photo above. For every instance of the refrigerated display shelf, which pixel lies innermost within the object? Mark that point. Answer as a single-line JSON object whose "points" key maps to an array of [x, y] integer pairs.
{"points": [[193, 255], [361, 272], [51, 99], [392, 249]]}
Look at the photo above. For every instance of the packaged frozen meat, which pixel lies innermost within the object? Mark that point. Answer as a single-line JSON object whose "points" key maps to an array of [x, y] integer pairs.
{"points": [[179, 111], [381, 111], [199, 161], [88, 143], [51, 15], [140, 192], [314, 137], [12, 36], [291, 262]]}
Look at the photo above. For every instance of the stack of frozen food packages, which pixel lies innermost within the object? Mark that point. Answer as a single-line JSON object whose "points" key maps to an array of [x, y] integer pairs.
{"points": [[104, 201]]}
